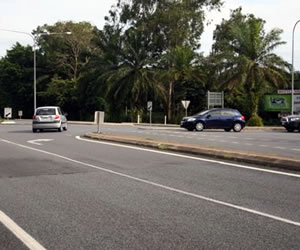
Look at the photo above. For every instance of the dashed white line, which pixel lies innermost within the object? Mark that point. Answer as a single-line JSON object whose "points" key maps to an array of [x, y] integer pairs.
{"points": [[280, 147], [263, 145]]}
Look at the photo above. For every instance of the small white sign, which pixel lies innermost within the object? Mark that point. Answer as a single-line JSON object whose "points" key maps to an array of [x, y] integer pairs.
{"points": [[185, 103], [20, 113], [7, 113], [149, 105]]}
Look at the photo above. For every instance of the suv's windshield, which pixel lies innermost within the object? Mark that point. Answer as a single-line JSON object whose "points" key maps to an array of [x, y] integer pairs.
{"points": [[44, 111]]}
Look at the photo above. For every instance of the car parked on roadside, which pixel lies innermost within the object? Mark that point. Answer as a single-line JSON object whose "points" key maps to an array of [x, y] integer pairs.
{"points": [[221, 118], [49, 117], [291, 122]]}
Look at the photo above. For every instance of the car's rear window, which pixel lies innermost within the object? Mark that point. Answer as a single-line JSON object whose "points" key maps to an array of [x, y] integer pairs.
{"points": [[45, 111]]}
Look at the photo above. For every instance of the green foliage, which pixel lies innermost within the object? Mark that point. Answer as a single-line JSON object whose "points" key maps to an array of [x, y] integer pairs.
{"points": [[255, 120], [147, 50], [247, 63]]}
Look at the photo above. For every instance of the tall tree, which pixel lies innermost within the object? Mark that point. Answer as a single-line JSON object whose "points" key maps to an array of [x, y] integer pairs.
{"points": [[16, 79], [168, 24], [249, 66]]}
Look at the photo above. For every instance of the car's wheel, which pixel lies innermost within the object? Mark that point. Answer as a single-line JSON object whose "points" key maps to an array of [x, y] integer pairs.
{"points": [[199, 126], [237, 127], [59, 129], [65, 127], [34, 130], [290, 130], [227, 129]]}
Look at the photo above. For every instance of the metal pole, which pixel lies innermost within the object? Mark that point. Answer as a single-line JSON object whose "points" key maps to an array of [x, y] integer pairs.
{"points": [[34, 76], [292, 111]]}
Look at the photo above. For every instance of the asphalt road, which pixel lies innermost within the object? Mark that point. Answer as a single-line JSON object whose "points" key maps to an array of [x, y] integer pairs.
{"points": [[69, 193]]}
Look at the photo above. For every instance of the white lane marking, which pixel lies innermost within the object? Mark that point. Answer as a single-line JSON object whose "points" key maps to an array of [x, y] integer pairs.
{"points": [[248, 144], [251, 211], [280, 147], [30, 242], [263, 145], [37, 141], [190, 157], [296, 149], [235, 142]]}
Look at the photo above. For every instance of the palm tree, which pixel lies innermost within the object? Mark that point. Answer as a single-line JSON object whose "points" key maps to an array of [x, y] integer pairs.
{"points": [[180, 65], [248, 62], [132, 80]]}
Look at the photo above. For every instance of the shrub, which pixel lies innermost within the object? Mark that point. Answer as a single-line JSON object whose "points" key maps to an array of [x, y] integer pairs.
{"points": [[255, 120]]}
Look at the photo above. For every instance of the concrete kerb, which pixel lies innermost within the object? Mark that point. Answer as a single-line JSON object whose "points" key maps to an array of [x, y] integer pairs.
{"points": [[250, 158]]}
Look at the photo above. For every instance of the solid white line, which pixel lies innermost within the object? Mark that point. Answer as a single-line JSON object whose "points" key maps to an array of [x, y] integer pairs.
{"points": [[191, 157], [20, 233], [252, 211]]}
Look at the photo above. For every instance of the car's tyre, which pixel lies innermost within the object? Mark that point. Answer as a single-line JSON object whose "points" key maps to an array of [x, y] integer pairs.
{"points": [[227, 129], [59, 129], [237, 127], [290, 130], [199, 126], [34, 130], [65, 127]]}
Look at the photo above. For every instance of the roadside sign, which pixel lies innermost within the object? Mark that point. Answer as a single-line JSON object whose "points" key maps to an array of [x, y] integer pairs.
{"points": [[185, 103], [149, 105], [288, 91], [7, 113], [277, 103], [20, 113]]}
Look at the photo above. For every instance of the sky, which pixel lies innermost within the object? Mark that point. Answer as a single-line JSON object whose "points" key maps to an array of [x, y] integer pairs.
{"points": [[21, 15]]}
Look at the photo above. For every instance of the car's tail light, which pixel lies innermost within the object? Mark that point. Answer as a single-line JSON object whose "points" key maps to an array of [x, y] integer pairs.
{"points": [[56, 117], [34, 117], [243, 118]]}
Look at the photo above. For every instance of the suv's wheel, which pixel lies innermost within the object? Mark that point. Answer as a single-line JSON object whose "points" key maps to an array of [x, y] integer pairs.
{"points": [[290, 130], [199, 126], [237, 127], [34, 130]]}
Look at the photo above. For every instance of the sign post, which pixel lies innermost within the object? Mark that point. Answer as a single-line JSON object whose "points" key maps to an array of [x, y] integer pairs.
{"points": [[99, 119], [149, 108], [7, 113], [185, 104], [20, 114], [215, 99]]}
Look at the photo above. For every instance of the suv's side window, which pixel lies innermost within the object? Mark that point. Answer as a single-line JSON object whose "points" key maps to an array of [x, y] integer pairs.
{"points": [[227, 113], [215, 114]]}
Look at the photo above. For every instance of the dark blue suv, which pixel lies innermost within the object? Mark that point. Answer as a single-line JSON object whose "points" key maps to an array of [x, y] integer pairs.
{"points": [[226, 119]]}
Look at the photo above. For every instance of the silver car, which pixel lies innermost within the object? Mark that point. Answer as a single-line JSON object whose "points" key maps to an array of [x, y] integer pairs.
{"points": [[50, 117]]}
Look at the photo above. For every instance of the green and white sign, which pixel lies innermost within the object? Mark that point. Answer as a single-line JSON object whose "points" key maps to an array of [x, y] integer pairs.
{"points": [[278, 103]]}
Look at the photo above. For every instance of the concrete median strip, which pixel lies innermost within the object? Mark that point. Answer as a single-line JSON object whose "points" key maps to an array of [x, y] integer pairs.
{"points": [[246, 157]]}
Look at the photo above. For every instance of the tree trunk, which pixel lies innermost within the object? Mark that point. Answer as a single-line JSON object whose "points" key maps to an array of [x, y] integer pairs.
{"points": [[170, 100]]}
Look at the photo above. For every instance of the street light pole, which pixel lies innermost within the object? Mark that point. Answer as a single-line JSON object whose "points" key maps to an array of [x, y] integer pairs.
{"points": [[34, 38], [292, 111]]}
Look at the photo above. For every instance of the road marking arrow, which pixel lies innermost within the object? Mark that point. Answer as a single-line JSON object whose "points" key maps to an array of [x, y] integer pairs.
{"points": [[37, 142]]}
